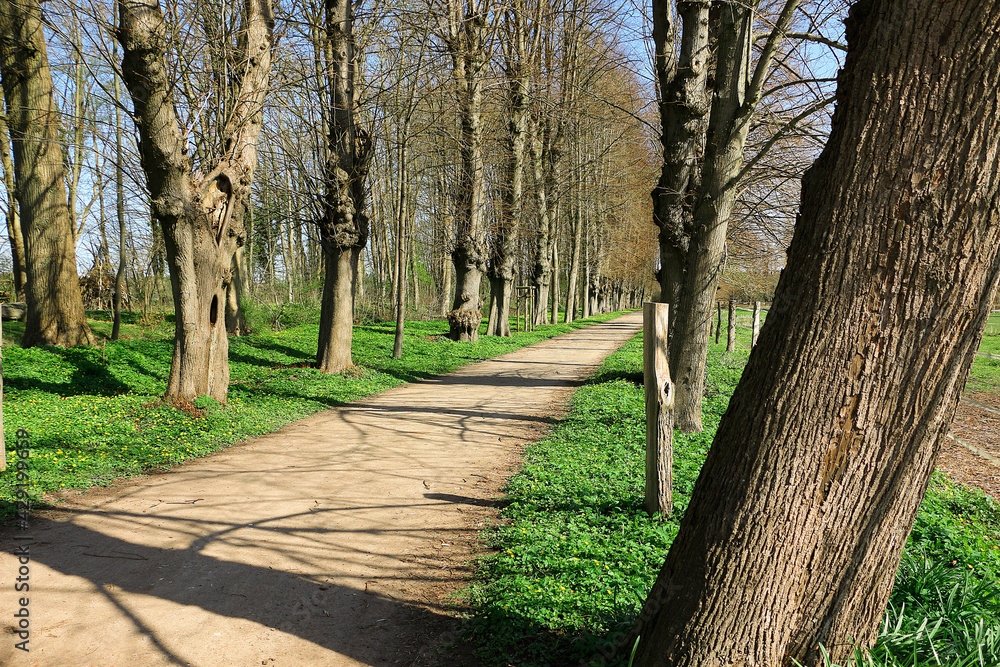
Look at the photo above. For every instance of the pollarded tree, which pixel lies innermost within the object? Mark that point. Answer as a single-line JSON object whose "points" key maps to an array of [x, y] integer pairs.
{"points": [[201, 216], [801, 512], [467, 43], [52, 292], [344, 225], [521, 44]]}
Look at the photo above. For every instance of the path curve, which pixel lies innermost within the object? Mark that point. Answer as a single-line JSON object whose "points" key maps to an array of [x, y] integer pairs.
{"points": [[318, 545]]}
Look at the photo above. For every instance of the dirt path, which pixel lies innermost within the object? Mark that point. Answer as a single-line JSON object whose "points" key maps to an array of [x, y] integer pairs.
{"points": [[333, 541]]}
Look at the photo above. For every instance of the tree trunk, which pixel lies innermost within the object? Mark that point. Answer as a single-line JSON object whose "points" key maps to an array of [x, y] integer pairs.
{"points": [[202, 221], [400, 266], [555, 282], [14, 233], [684, 106], [718, 323], [467, 45], [337, 309], [446, 290], [236, 323], [344, 225], [119, 211], [733, 107], [585, 286], [797, 522], [506, 235], [55, 306], [574, 265]]}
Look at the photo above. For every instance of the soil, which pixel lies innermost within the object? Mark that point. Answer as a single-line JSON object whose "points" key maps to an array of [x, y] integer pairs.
{"points": [[340, 539]]}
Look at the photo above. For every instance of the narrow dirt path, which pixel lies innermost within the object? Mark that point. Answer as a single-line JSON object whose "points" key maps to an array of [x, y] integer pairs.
{"points": [[333, 541]]}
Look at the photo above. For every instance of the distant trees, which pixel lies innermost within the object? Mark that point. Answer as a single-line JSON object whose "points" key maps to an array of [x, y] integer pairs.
{"points": [[593, 238], [800, 514], [55, 306]]}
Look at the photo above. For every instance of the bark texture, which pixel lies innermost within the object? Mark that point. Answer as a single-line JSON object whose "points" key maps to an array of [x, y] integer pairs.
{"points": [[344, 225], [52, 291], [201, 218], [798, 520]]}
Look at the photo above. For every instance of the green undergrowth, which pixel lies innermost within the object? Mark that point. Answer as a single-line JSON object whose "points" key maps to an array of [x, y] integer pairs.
{"points": [[575, 554], [94, 414]]}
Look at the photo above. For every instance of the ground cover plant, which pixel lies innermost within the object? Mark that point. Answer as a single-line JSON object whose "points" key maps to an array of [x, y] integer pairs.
{"points": [[94, 414], [576, 554]]}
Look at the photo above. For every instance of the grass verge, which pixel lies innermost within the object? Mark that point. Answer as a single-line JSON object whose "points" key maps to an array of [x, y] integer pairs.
{"points": [[575, 553], [94, 415]]}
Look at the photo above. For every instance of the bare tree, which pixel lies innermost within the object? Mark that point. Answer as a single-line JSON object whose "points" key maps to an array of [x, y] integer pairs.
{"points": [[201, 216], [344, 225], [520, 46], [467, 42], [55, 307], [704, 137]]}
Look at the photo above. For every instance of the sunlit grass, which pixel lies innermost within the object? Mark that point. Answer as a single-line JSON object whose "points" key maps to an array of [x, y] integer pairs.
{"points": [[576, 554]]}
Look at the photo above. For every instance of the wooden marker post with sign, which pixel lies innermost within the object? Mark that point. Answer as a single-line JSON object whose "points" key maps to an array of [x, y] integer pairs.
{"points": [[659, 410]]}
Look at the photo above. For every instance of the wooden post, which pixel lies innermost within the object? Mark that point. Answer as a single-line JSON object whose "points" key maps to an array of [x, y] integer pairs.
{"points": [[718, 324], [659, 410], [3, 449], [517, 311], [756, 323], [731, 334]]}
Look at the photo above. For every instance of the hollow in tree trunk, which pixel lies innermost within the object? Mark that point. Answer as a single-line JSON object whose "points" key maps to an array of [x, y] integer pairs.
{"points": [[798, 520], [201, 218]]}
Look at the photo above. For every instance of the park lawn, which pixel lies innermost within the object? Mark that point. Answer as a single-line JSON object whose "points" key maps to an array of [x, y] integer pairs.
{"points": [[575, 554], [94, 415]]}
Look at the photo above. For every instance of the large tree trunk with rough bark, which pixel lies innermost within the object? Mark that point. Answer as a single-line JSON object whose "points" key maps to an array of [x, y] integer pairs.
{"points": [[52, 293], [467, 45], [344, 225], [201, 218], [236, 323], [799, 517]]}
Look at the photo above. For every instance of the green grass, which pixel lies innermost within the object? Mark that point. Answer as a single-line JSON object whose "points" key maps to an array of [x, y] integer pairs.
{"points": [[985, 374], [93, 414], [576, 554]]}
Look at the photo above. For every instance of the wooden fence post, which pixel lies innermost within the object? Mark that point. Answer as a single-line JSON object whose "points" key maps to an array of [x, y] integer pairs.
{"points": [[756, 324], [731, 333], [718, 323], [659, 410]]}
